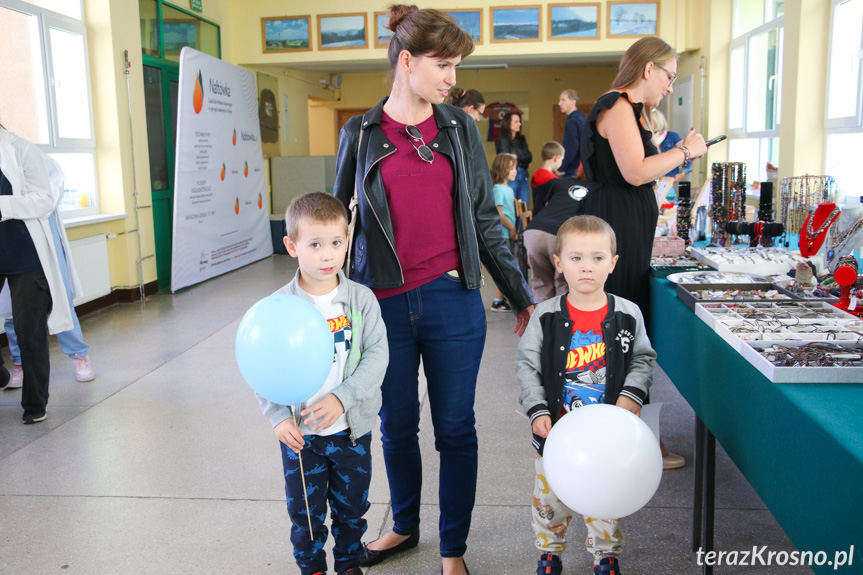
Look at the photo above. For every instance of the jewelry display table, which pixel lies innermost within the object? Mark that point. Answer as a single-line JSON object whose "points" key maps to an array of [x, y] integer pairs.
{"points": [[800, 445]]}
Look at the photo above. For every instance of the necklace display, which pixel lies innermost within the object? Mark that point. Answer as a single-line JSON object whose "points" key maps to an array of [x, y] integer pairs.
{"points": [[810, 239], [798, 198], [727, 197], [838, 243]]}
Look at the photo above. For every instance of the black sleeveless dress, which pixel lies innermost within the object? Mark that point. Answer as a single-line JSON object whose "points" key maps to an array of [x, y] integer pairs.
{"points": [[630, 210]]}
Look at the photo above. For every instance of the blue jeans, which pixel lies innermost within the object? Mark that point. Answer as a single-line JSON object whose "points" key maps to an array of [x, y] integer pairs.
{"points": [[72, 341], [443, 324], [521, 186]]}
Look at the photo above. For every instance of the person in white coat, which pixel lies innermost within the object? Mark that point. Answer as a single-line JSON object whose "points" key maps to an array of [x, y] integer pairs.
{"points": [[30, 266], [71, 342]]}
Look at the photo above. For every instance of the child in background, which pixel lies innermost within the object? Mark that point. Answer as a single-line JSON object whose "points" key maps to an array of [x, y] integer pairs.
{"points": [[552, 158], [503, 170], [335, 433], [616, 369]]}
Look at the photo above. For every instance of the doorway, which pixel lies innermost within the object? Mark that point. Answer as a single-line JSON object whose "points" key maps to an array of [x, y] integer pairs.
{"points": [[161, 88]]}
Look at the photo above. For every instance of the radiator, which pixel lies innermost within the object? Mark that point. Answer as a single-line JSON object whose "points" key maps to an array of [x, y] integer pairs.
{"points": [[91, 260]]}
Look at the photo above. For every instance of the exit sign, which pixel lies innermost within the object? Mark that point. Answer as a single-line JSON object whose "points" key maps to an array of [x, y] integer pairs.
{"points": [[196, 5]]}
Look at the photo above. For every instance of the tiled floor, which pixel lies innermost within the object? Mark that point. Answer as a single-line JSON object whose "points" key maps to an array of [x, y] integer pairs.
{"points": [[164, 464]]}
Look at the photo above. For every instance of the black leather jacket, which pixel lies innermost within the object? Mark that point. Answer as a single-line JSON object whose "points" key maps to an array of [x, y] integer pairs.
{"points": [[374, 261]]}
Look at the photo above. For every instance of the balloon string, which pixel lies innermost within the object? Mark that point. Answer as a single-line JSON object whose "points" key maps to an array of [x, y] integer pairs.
{"points": [[303, 476]]}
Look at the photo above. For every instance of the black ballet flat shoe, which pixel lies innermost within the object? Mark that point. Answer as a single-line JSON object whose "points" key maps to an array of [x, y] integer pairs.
{"points": [[371, 557], [466, 570]]}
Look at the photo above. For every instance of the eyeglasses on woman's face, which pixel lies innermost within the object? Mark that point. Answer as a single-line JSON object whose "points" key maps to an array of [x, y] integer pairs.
{"points": [[672, 77], [475, 113]]}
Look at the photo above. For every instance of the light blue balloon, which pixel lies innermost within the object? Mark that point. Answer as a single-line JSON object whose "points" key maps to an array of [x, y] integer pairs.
{"points": [[284, 349]]}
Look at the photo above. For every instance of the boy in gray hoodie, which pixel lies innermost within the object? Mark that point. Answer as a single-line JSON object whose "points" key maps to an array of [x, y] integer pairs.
{"points": [[334, 432]]}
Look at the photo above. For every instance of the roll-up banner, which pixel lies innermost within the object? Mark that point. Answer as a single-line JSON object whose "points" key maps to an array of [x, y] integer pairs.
{"points": [[221, 208]]}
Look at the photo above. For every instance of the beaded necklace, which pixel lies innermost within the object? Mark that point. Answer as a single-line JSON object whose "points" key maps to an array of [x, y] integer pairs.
{"points": [[811, 237], [844, 236]]}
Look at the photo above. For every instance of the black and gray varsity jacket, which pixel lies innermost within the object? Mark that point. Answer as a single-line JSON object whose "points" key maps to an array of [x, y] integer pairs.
{"points": [[542, 353]]}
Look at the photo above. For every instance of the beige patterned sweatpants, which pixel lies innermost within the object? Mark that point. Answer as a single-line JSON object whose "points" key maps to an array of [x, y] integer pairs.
{"points": [[551, 518]]}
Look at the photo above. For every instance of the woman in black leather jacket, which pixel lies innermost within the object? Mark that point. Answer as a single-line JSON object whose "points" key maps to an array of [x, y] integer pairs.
{"points": [[512, 141], [425, 223]]}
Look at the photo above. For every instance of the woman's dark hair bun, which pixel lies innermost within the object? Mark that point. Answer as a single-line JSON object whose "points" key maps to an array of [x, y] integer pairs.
{"points": [[399, 12]]}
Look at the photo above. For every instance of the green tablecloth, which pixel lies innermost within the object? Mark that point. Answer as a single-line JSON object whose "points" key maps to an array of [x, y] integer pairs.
{"points": [[800, 446]]}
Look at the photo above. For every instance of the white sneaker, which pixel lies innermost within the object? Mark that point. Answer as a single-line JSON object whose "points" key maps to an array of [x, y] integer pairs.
{"points": [[83, 369], [17, 377]]}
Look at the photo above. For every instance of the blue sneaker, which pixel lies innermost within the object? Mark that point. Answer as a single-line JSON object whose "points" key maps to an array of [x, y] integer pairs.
{"points": [[549, 565], [607, 566]]}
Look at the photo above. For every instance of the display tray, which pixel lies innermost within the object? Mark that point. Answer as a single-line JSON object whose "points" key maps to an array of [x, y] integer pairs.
{"points": [[778, 320], [761, 261], [665, 271], [714, 277], [685, 293], [802, 374]]}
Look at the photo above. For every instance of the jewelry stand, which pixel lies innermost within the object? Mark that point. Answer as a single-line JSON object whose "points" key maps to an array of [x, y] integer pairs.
{"points": [[845, 276], [814, 231], [844, 236], [727, 198], [765, 211], [684, 210], [799, 196]]}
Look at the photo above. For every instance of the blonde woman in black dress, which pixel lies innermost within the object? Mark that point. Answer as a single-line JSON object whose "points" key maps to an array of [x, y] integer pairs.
{"points": [[619, 156]]}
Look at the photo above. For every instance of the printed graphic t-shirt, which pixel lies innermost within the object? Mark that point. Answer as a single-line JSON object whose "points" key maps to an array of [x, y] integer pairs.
{"points": [[336, 316], [585, 364]]}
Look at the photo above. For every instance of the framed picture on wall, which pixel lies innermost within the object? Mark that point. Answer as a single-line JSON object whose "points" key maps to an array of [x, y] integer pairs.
{"points": [[179, 33], [633, 19], [515, 23], [469, 20], [342, 31], [382, 33], [286, 34], [573, 21]]}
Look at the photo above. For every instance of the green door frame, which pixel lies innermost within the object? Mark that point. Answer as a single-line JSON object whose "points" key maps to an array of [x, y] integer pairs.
{"points": [[163, 200]]}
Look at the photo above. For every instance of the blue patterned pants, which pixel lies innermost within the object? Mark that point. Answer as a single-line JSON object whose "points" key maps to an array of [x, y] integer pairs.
{"points": [[337, 473]]}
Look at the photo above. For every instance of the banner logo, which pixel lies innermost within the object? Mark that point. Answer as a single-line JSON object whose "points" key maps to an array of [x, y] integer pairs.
{"points": [[198, 100]]}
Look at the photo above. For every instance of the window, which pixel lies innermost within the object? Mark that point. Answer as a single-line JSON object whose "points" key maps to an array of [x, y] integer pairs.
{"points": [[44, 54], [166, 29], [844, 115], [755, 86]]}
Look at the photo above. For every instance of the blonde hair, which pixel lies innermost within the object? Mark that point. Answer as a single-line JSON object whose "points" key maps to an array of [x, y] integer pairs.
{"points": [[638, 55], [314, 207], [501, 166], [658, 123], [425, 32], [585, 225], [551, 149]]}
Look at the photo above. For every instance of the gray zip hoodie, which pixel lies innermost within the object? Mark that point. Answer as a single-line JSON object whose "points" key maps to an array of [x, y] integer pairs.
{"points": [[360, 391]]}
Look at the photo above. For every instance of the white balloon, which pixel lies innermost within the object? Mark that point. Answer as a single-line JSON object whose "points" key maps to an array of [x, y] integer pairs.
{"points": [[602, 461]]}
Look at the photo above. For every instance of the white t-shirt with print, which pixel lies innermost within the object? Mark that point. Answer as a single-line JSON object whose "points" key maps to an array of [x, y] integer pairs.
{"points": [[337, 318]]}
